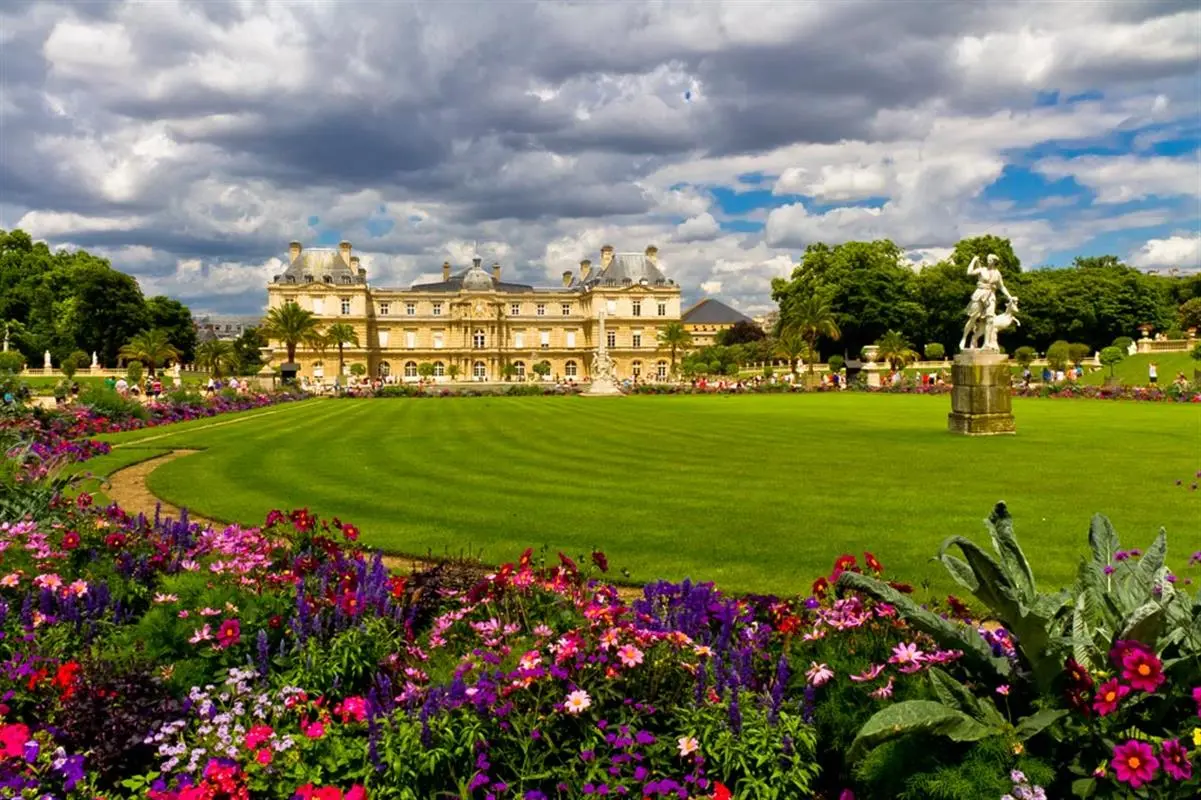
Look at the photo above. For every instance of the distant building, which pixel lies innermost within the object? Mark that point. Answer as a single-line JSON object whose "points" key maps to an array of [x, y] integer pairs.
{"points": [[767, 321], [213, 326], [473, 325], [709, 317]]}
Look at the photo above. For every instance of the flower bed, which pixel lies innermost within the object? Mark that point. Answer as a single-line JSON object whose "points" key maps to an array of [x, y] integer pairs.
{"points": [[160, 659]]}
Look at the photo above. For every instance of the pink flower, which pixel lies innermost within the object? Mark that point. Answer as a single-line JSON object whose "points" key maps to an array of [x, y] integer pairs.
{"points": [[1134, 763], [263, 756], [1143, 670], [1176, 760], [819, 674], [1003, 690], [870, 674], [353, 708], [313, 730], [907, 655], [885, 691], [257, 735], [229, 634], [202, 634], [1109, 696], [356, 792], [12, 740], [1197, 699], [630, 655]]}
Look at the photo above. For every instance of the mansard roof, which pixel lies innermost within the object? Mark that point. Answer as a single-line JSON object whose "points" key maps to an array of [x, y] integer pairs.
{"points": [[711, 311]]}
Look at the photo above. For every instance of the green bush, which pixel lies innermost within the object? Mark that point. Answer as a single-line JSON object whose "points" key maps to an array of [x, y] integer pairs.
{"points": [[108, 403], [836, 363], [1123, 343], [935, 352], [358, 369], [1195, 353], [1078, 351], [1024, 356], [12, 361], [1111, 357], [133, 373], [1058, 355], [79, 359]]}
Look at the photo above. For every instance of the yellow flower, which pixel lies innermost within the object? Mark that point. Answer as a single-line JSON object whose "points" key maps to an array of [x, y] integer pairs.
{"points": [[1197, 736]]}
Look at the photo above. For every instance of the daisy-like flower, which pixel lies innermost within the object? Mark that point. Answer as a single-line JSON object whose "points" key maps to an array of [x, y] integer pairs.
{"points": [[818, 674], [10, 580], [885, 691], [78, 588], [210, 612], [870, 674], [1143, 670], [610, 638], [160, 597], [907, 656], [530, 660], [202, 634], [1109, 696], [1176, 760], [48, 581], [688, 745], [1003, 690], [577, 702], [1134, 763], [703, 650], [630, 655]]}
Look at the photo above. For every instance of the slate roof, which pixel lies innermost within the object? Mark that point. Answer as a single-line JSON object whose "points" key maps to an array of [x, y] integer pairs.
{"points": [[477, 280], [321, 263], [626, 269], [713, 312]]}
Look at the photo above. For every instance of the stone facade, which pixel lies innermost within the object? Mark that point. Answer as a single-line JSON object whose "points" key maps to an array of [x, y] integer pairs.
{"points": [[981, 402], [474, 320]]}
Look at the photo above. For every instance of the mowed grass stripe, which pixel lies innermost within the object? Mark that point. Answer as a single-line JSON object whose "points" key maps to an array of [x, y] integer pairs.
{"points": [[759, 493]]}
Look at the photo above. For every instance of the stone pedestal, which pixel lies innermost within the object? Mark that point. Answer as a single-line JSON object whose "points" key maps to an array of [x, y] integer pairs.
{"points": [[873, 371], [602, 387], [981, 403]]}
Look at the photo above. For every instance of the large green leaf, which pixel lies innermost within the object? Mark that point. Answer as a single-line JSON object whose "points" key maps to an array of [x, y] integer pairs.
{"points": [[992, 587], [1144, 623], [960, 572], [917, 716], [1103, 540], [1004, 541], [1036, 722], [1150, 564], [949, 635]]}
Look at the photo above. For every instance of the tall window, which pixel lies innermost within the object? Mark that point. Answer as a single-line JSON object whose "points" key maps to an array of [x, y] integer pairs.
{"points": [[515, 309], [540, 309], [544, 339], [636, 308], [636, 339], [519, 368], [384, 308], [569, 369], [437, 309], [345, 305], [437, 340], [410, 369], [477, 339], [663, 309], [567, 309], [479, 371], [411, 309], [439, 369], [519, 339], [661, 370], [636, 369], [611, 338], [571, 338]]}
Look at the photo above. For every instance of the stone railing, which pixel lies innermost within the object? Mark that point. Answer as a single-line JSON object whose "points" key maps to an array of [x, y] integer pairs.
{"points": [[1165, 345]]}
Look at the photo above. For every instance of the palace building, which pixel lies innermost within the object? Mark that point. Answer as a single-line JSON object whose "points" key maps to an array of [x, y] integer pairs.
{"points": [[472, 325]]}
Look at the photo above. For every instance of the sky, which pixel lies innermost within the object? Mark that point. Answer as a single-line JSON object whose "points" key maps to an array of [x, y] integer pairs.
{"points": [[189, 142]]}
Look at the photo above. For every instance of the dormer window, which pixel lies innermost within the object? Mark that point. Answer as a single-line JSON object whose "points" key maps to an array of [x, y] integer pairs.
{"points": [[308, 278], [326, 279], [290, 279]]}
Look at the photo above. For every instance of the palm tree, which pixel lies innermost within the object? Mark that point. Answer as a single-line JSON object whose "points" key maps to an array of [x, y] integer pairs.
{"points": [[895, 349], [790, 345], [674, 336], [216, 357], [812, 319], [291, 325], [151, 347], [341, 334]]}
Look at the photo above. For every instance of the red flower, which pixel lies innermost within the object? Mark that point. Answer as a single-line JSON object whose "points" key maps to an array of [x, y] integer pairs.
{"points": [[350, 532], [958, 607], [350, 604], [820, 587], [524, 561], [70, 540], [115, 541], [1143, 670], [1077, 674], [568, 563], [872, 562], [64, 678], [229, 634], [396, 586], [600, 560], [720, 792], [1109, 696], [275, 622], [12, 740], [789, 624], [844, 563]]}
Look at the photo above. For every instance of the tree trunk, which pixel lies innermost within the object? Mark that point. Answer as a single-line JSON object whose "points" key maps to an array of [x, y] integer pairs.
{"points": [[341, 364]]}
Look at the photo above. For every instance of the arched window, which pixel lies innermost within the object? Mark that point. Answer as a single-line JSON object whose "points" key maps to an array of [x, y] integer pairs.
{"points": [[661, 370], [385, 369], [477, 339], [308, 278], [569, 369], [410, 369], [519, 366], [636, 369], [479, 371], [289, 279], [439, 369]]}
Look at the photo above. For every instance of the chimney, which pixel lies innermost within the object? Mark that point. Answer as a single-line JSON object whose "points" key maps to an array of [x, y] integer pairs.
{"points": [[445, 270], [566, 277], [606, 256], [294, 249], [585, 268], [652, 254], [496, 270], [344, 247]]}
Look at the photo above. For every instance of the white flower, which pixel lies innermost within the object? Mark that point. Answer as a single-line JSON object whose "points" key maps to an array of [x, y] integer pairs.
{"points": [[688, 745], [577, 701]]}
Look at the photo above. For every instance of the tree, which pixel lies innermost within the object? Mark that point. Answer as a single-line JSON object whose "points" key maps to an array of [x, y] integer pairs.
{"points": [[935, 351], [1058, 355], [249, 349], [674, 336], [1077, 352], [742, 332], [78, 359], [1112, 356], [290, 324], [813, 319], [175, 318], [133, 372], [1123, 342], [339, 335], [425, 369], [983, 246], [1024, 356], [217, 357], [11, 362], [542, 369], [358, 369], [453, 370], [896, 350], [790, 346], [150, 347], [1189, 314], [836, 362]]}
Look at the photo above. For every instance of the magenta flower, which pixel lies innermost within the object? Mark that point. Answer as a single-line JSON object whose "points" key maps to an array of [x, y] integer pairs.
{"points": [[1175, 760], [1134, 763], [1143, 670], [870, 674], [229, 634], [1109, 696], [1197, 699]]}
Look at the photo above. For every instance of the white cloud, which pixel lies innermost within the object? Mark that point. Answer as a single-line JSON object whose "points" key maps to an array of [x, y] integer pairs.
{"points": [[1175, 251], [711, 287], [1120, 179], [54, 224], [698, 228]]}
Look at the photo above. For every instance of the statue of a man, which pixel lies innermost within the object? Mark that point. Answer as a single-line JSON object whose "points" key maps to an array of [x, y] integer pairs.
{"points": [[983, 305]]}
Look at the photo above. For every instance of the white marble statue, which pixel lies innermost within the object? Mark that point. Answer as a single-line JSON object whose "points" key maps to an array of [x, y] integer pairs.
{"points": [[602, 371], [994, 325], [982, 308], [95, 361], [46, 360]]}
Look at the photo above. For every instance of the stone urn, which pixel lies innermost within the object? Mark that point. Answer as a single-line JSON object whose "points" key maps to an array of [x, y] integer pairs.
{"points": [[870, 352]]}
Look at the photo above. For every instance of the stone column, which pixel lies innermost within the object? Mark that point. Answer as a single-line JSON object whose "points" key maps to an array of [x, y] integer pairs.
{"points": [[981, 402]]}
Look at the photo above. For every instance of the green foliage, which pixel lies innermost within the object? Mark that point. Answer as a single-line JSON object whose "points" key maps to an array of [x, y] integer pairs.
{"points": [[935, 351], [1195, 353], [896, 350], [813, 318], [1189, 314], [175, 319], [290, 324], [151, 347], [836, 363], [358, 369], [248, 348], [426, 370], [790, 346], [67, 368], [541, 369], [1058, 355], [108, 403], [674, 337], [924, 768], [217, 357], [79, 359], [11, 362], [742, 332], [1111, 357], [1025, 356], [133, 373], [1077, 352], [1123, 343]]}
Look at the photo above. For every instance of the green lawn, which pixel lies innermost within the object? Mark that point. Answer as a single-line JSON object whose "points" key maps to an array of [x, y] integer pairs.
{"points": [[759, 493], [1133, 369]]}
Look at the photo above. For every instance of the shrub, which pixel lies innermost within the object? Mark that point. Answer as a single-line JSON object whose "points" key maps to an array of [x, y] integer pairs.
{"points": [[1077, 352], [107, 403], [1024, 356], [935, 351], [67, 368], [1195, 353], [1111, 357], [12, 361], [133, 373], [1058, 355], [358, 369], [836, 363], [80, 359], [1123, 343]]}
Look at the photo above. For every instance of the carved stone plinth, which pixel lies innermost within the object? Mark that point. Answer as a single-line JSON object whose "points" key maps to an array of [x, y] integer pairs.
{"points": [[602, 387], [981, 403]]}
